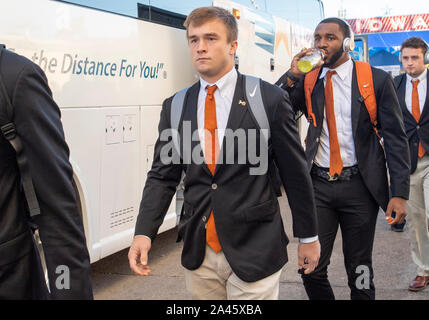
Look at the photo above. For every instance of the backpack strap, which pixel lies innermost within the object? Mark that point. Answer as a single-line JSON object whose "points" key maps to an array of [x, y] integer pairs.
{"points": [[309, 83], [257, 108], [366, 89], [256, 104], [9, 132]]}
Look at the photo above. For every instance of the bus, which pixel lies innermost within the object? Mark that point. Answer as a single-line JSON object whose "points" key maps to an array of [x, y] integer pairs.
{"points": [[109, 73], [378, 40]]}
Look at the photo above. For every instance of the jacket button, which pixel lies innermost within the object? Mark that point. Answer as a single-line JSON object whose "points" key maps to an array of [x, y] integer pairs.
{"points": [[204, 219], [214, 186], [418, 127], [317, 139]]}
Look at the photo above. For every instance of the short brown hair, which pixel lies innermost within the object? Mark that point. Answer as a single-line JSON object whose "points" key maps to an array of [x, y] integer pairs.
{"points": [[202, 15], [415, 43]]}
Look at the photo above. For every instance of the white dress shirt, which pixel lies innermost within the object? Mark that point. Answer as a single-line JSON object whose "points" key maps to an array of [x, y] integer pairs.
{"points": [[223, 97], [342, 88], [421, 89]]}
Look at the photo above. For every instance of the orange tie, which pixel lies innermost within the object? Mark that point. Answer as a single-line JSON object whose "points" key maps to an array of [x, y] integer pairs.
{"points": [[211, 153], [415, 107], [336, 163]]}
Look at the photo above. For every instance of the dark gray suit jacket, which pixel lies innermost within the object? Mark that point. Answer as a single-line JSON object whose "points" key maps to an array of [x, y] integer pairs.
{"points": [[416, 131], [246, 210]]}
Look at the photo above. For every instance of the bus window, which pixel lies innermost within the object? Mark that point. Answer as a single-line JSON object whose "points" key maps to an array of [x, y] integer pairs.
{"points": [[306, 13]]}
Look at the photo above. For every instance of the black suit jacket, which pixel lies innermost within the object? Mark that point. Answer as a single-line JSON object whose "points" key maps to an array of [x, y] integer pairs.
{"points": [[416, 131], [369, 152], [245, 206], [37, 120]]}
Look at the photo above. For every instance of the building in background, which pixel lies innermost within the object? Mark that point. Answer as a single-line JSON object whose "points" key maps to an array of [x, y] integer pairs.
{"points": [[378, 40]]}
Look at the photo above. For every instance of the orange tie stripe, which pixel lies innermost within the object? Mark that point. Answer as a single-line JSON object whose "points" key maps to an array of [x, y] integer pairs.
{"points": [[336, 163], [211, 153], [415, 107]]}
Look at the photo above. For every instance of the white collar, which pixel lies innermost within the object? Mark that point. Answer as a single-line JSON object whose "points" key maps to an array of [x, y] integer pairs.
{"points": [[420, 77], [343, 71], [228, 81]]}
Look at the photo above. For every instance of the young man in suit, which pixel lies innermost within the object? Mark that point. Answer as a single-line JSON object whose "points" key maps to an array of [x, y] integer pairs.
{"points": [[346, 159], [36, 118], [234, 240], [412, 90]]}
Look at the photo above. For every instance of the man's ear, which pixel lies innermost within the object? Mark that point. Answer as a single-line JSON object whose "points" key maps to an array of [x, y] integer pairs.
{"points": [[234, 46]]}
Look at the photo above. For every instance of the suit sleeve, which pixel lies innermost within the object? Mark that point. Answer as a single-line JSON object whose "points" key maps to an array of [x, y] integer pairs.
{"points": [[395, 139], [161, 183], [296, 94], [291, 161], [37, 118]]}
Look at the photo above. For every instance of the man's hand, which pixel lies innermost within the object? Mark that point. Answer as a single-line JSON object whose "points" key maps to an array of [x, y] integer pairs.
{"points": [[137, 256], [294, 70], [398, 205], [308, 256]]}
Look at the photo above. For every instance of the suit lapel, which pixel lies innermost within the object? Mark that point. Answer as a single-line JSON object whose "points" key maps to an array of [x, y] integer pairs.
{"points": [[425, 111], [318, 100], [191, 110], [356, 101], [401, 97], [401, 93], [237, 110]]}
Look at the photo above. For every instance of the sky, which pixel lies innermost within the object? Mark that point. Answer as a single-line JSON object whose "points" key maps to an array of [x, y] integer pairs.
{"points": [[375, 8]]}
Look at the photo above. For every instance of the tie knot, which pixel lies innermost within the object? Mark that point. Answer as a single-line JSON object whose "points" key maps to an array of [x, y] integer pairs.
{"points": [[330, 73], [211, 89], [415, 83]]}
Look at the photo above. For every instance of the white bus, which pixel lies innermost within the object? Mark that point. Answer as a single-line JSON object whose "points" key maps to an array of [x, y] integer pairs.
{"points": [[109, 74]]}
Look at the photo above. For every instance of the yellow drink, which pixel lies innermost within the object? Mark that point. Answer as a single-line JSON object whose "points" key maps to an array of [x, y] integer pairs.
{"points": [[305, 65]]}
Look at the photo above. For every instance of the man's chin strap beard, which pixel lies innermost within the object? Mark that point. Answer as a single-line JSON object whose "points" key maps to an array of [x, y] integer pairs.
{"points": [[335, 58]]}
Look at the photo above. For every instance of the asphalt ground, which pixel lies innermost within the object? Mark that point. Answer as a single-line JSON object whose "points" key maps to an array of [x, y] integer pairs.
{"points": [[393, 268]]}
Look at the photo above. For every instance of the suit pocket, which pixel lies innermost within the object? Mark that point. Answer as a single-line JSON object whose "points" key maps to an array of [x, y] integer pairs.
{"points": [[263, 212]]}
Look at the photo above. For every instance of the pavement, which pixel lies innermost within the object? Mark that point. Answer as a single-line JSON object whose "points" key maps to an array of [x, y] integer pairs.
{"points": [[393, 269]]}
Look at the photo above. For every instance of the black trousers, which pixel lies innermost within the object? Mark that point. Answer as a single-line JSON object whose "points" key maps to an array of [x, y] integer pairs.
{"points": [[350, 205]]}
